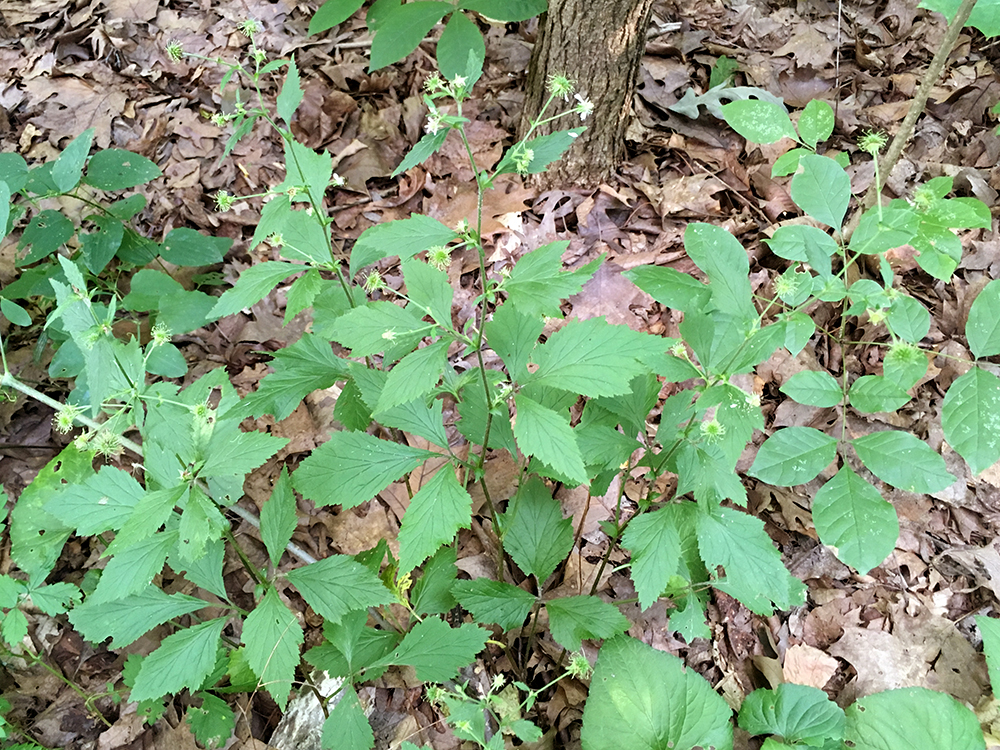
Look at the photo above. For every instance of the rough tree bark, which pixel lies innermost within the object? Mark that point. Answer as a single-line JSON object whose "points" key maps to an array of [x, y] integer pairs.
{"points": [[598, 44]]}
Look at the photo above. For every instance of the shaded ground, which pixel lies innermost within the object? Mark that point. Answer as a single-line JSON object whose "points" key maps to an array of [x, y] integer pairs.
{"points": [[76, 64]]}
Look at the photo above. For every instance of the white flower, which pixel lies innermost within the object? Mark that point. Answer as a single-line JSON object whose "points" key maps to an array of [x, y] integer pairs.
{"points": [[584, 108], [459, 81], [433, 123]]}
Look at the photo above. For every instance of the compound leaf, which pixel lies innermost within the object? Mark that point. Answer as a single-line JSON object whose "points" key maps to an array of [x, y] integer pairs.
{"points": [[279, 517], [546, 434], [655, 543], [131, 617]]}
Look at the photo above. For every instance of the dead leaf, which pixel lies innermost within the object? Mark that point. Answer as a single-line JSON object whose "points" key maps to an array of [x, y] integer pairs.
{"points": [[805, 665]]}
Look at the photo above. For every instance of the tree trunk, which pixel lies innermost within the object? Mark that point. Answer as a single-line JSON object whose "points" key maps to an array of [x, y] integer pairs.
{"points": [[598, 44]]}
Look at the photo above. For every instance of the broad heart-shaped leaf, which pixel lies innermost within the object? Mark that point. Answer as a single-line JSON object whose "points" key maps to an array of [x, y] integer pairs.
{"points": [[331, 13], [538, 283], [853, 519], [989, 628], [437, 651], [115, 169], [131, 617], [347, 727], [822, 189], [871, 394], [573, 618], [983, 327], [546, 434], [911, 718], [307, 365], [435, 514], [759, 121], [793, 455], [903, 461], [655, 544], [506, 10], [252, 286], [337, 585], [272, 637], [494, 601], [814, 388], [278, 517], [644, 698], [352, 467], [969, 418], [535, 534], [723, 259], [796, 713], [415, 375], [754, 573], [404, 238], [402, 29], [291, 93], [593, 358], [670, 287], [460, 38], [68, 168], [183, 660]]}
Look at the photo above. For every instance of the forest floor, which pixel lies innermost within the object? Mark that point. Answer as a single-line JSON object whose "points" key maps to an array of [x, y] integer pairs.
{"points": [[74, 64]]}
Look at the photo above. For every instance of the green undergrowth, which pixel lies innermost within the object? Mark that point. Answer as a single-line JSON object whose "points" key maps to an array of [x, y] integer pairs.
{"points": [[578, 406]]}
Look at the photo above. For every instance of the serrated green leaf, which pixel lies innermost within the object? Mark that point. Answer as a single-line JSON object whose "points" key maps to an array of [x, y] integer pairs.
{"points": [[754, 573], [670, 287], [404, 238], [814, 388], [723, 259], [437, 651], [347, 727], [853, 519], [183, 660], [431, 594], [903, 461], [252, 286], [131, 617], [983, 327], [593, 358], [414, 376], [351, 647], [430, 144], [573, 618], [272, 636], [822, 189], [234, 452], [56, 598], [279, 517], [115, 169], [307, 365], [291, 93], [537, 285], [494, 601], [655, 544], [131, 570], [402, 30], [969, 418], [379, 326], [513, 337], [535, 534], [797, 713], [331, 13], [793, 455], [546, 434], [102, 502], [644, 698], [306, 169], [213, 722], [435, 514], [14, 628], [352, 467], [909, 718], [68, 168], [429, 289], [337, 585], [871, 394]]}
